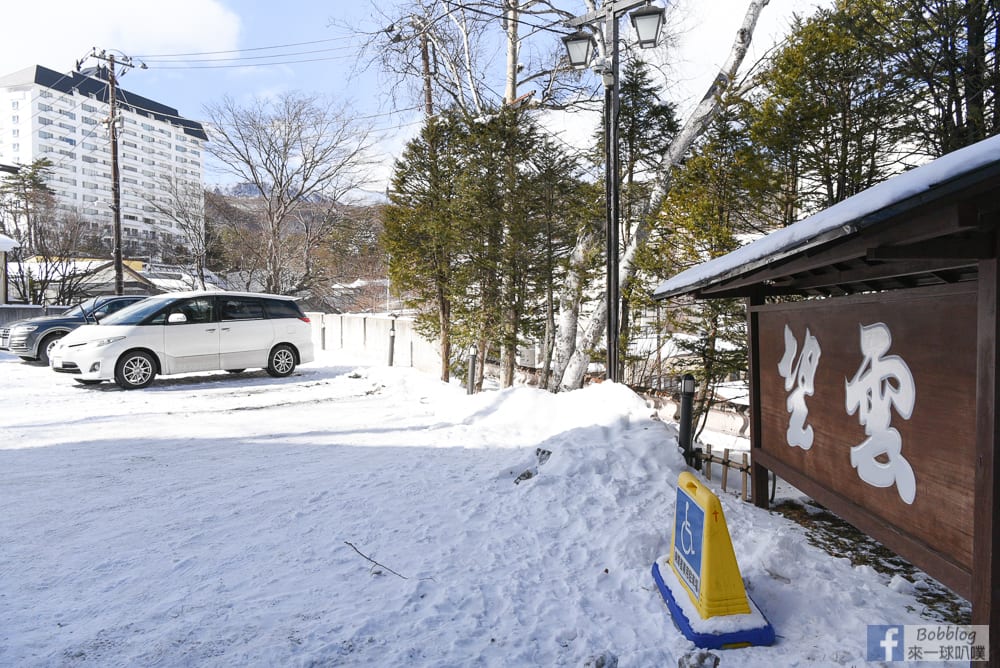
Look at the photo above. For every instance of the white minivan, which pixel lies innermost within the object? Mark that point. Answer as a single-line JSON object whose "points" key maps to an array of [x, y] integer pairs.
{"points": [[180, 332]]}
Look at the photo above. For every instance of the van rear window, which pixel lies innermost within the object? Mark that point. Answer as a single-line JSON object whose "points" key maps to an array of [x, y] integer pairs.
{"points": [[282, 308]]}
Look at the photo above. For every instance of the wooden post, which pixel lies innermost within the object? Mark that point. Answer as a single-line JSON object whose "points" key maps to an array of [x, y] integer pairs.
{"points": [[758, 478], [986, 511], [725, 468], [708, 462], [743, 477]]}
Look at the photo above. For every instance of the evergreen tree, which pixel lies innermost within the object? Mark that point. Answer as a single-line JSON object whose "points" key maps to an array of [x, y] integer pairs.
{"points": [[946, 64], [647, 126], [422, 227], [710, 210], [479, 216], [827, 111]]}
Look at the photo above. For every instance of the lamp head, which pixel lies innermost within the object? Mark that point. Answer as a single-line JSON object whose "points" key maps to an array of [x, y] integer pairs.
{"points": [[579, 48], [647, 22]]}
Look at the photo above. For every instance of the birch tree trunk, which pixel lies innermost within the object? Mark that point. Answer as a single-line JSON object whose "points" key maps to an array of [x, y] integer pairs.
{"points": [[700, 118], [511, 18], [569, 313]]}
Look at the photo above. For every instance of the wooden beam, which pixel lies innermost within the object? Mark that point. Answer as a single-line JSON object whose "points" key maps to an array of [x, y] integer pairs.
{"points": [[860, 278], [986, 512], [758, 475], [978, 247]]}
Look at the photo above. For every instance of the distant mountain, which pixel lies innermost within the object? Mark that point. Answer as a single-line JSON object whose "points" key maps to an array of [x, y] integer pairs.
{"points": [[237, 190], [249, 190]]}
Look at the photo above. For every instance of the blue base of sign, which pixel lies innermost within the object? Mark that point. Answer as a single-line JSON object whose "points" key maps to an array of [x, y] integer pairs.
{"points": [[762, 635]]}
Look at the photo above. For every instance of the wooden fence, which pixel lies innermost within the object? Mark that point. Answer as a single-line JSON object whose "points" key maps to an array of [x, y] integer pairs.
{"points": [[740, 463]]}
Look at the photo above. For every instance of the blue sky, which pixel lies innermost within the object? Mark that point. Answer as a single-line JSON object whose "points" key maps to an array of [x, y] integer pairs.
{"points": [[56, 33]]}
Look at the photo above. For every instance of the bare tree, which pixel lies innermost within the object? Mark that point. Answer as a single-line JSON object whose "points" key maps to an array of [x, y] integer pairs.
{"points": [[44, 269], [446, 48], [292, 149], [182, 203]]}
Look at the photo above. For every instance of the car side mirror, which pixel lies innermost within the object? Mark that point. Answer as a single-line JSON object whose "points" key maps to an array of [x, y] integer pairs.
{"points": [[176, 318]]}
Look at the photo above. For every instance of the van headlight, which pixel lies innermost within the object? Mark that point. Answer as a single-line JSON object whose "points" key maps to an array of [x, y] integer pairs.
{"points": [[27, 328], [106, 342]]}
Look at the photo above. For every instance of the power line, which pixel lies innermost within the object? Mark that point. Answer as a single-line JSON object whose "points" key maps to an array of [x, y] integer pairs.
{"points": [[276, 55], [475, 10], [216, 67], [258, 48]]}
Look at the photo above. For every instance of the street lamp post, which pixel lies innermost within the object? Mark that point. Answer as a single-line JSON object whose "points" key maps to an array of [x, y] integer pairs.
{"points": [[580, 47]]}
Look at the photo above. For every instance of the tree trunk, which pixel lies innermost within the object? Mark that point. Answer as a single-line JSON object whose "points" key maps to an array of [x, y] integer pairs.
{"points": [[511, 18], [444, 332], [700, 118], [565, 344], [548, 344]]}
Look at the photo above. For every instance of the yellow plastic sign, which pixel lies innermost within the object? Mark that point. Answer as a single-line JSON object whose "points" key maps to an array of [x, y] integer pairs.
{"points": [[701, 552]]}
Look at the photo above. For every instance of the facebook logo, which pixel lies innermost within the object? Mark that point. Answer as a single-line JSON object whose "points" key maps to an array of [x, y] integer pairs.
{"points": [[885, 643]]}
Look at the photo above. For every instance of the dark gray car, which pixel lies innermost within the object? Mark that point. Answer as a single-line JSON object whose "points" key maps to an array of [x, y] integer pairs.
{"points": [[32, 339]]}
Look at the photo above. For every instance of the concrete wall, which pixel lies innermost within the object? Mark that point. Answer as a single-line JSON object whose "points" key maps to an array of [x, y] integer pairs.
{"points": [[366, 337]]}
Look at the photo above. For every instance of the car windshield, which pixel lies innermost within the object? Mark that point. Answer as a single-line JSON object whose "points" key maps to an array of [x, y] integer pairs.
{"points": [[135, 313], [82, 310]]}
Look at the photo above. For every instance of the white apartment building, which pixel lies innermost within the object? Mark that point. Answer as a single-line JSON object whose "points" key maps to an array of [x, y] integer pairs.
{"points": [[64, 116]]}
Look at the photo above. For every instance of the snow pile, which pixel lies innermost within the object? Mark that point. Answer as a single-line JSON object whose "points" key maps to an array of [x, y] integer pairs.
{"points": [[369, 517]]}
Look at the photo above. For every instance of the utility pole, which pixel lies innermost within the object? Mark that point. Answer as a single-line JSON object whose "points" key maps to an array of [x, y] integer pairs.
{"points": [[116, 192], [116, 200], [425, 61]]}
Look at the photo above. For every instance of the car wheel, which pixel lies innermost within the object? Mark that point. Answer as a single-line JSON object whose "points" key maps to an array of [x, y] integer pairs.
{"points": [[235, 370], [134, 370], [84, 381], [46, 346], [281, 361]]}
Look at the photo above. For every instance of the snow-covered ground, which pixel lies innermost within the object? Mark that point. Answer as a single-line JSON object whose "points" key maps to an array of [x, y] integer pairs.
{"points": [[219, 520]]}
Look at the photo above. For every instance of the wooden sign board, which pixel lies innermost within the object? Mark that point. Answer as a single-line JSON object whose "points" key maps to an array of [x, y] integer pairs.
{"points": [[868, 404]]}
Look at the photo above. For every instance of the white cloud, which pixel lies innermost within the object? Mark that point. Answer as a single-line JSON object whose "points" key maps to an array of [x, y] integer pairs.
{"points": [[57, 33]]}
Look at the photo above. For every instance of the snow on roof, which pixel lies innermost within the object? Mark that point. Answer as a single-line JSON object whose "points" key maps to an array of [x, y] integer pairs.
{"points": [[836, 220]]}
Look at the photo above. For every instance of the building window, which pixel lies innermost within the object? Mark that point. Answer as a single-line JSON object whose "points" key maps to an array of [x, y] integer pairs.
{"points": [[15, 133], [14, 104], [15, 147]]}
